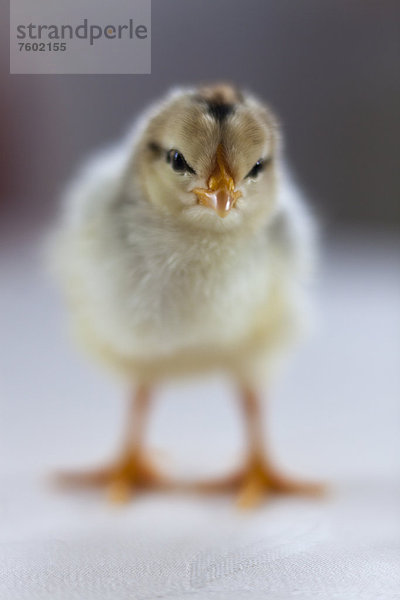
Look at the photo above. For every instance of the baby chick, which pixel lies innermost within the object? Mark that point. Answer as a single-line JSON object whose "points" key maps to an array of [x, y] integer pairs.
{"points": [[185, 249]]}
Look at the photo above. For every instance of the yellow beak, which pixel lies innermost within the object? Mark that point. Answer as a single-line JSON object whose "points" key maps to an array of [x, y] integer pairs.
{"points": [[221, 194]]}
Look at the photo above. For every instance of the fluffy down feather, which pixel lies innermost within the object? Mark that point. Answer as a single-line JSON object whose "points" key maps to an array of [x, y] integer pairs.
{"points": [[159, 285]]}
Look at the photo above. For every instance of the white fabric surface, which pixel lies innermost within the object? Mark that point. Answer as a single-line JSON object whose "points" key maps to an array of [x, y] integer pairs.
{"points": [[335, 417]]}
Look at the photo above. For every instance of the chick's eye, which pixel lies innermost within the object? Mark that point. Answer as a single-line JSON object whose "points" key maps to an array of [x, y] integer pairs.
{"points": [[178, 163], [258, 167]]}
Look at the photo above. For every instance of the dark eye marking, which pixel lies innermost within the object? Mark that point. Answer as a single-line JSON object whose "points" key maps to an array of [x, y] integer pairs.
{"points": [[155, 148], [257, 168], [178, 162]]}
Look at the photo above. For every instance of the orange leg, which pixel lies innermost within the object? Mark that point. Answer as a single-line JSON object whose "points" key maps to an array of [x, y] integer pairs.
{"points": [[132, 470], [258, 477]]}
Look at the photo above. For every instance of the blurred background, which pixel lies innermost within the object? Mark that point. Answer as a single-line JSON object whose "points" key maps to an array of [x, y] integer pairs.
{"points": [[330, 69]]}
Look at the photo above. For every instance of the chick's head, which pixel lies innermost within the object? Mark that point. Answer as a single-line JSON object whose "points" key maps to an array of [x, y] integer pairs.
{"points": [[208, 158]]}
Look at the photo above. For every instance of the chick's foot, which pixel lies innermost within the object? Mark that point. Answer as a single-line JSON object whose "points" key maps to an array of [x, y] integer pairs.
{"points": [[121, 479], [258, 480]]}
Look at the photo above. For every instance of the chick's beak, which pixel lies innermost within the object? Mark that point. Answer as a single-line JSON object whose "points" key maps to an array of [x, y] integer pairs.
{"points": [[221, 194]]}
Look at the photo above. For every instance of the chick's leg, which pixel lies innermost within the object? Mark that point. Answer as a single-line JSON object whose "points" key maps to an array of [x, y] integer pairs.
{"points": [[132, 470], [259, 476]]}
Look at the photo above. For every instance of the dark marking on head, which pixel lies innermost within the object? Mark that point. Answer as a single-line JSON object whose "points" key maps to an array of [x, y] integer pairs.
{"points": [[221, 100], [219, 111]]}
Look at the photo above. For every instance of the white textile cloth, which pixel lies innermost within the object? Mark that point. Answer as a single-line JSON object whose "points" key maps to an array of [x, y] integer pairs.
{"points": [[335, 417]]}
